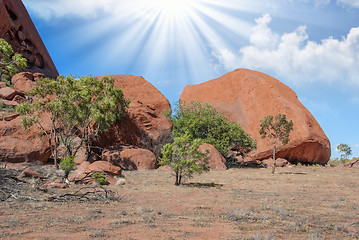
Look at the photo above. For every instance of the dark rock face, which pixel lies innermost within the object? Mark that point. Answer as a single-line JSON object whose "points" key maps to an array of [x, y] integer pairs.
{"points": [[17, 28], [247, 96]]}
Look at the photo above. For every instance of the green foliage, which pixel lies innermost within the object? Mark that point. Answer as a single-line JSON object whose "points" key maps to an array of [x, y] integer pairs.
{"points": [[202, 121], [345, 151], [67, 164], [99, 178], [10, 63], [76, 107], [184, 157], [277, 130]]}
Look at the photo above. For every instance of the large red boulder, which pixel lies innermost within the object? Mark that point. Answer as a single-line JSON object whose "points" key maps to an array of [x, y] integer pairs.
{"points": [[17, 28], [144, 125], [19, 145], [215, 159], [247, 96], [130, 157]]}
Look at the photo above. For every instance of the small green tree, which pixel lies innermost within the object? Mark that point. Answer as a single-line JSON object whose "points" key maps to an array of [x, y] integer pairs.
{"points": [[184, 157], [10, 63], [276, 131], [202, 121], [99, 178], [76, 108], [345, 151], [67, 164]]}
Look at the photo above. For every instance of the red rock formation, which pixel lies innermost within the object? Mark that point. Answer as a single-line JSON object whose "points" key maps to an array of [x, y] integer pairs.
{"points": [[215, 159], [130, 157], [17, 28], [144, 125], [83, 174], [19, 145], [246, 96]]}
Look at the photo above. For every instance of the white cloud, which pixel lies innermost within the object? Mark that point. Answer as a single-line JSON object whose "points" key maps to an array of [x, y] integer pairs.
{"points": [[352, 3], [296, 58], [318, 3]]}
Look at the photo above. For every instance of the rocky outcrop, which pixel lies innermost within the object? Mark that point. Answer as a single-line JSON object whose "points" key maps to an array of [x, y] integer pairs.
{"points": [[130, 157], [19, 145], [17, 28], [83, 174], [16, 143], [144, 125], [246, 96], [215, 159]]}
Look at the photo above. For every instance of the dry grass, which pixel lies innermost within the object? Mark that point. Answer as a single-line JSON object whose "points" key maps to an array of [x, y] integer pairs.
{"points": [[320, 203]]}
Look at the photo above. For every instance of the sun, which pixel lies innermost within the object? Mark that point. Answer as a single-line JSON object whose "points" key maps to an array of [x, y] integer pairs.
{"points": [[173, 8]]}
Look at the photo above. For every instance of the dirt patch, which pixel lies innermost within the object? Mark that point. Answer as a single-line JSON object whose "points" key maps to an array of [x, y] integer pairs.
{"points": [[309, 203]]}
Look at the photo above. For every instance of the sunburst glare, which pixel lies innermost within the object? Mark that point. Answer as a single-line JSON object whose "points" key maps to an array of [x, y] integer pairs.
{"points": [[172, 8]]}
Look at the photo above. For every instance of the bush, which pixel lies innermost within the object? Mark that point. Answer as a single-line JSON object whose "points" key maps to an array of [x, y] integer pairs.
{"points": [[99, 178], [184, 157], [67, 164], [202, 121], [10, 63]]}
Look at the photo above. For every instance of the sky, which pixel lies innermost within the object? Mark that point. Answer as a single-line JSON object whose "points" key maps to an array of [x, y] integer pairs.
{"points": [[310, 45]]}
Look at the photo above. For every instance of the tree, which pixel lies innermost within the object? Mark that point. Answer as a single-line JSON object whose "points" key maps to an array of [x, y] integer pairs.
{"points": [[184, 157], [10, 63], [202, 121], [276, 131], [345, 150], [76, 108]]}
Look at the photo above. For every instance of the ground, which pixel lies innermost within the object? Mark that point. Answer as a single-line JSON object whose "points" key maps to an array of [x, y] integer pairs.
{"points": [[294, 203]]}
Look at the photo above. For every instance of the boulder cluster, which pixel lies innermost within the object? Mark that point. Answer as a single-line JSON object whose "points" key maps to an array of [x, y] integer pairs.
{"points": [[134, 143]]}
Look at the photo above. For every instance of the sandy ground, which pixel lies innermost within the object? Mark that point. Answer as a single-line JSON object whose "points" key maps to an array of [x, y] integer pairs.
{"points": [[295, 203]]}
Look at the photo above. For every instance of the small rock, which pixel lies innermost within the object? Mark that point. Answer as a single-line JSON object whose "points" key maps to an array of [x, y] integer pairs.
{"points": [[31, 173], [11, 116], [7, 93], [9, 103], [24, 85], [19, 99], [38, 76]]}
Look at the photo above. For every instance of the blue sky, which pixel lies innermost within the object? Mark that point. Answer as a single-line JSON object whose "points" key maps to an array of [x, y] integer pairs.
{"points": [[310, 45]]}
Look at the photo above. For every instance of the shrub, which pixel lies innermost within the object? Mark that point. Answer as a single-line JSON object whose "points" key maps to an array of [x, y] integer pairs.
{"points": [[99, 178], [10, 63], [67, 164], [202, 121], [184, 157]]}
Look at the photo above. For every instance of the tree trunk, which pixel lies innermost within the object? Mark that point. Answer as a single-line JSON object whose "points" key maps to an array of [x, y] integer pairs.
{"points": [[177, 179], [274, 149]]}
